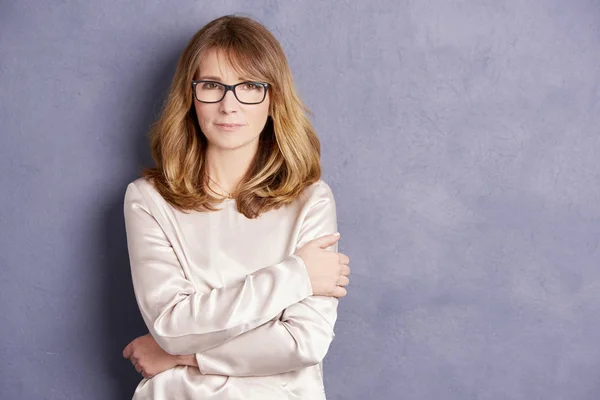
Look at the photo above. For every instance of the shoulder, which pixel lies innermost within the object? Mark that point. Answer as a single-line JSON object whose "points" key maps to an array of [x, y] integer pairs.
{"points": [[318, 206], [142, 191], [320, 187], [317, 192], [141, 184]]}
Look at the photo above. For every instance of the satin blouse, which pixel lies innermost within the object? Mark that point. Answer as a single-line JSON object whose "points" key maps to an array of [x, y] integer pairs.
{"points": [[229, 290]]}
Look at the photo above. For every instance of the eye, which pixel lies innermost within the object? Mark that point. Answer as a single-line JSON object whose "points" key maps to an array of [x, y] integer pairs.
{"points": [[210, 85], [252, 86]]}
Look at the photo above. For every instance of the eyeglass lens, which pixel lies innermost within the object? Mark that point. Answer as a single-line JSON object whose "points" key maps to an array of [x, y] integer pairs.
{"points": [[246, 92]]}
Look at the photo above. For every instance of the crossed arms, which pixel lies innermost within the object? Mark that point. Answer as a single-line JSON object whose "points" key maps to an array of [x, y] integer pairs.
{"points": [[267, 323]]}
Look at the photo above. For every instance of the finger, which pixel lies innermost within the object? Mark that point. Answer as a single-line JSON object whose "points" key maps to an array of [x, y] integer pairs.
{"points": [[325, 241], [127, 351], [344, 259], [339, 292], [345, 270], [343, 281]]}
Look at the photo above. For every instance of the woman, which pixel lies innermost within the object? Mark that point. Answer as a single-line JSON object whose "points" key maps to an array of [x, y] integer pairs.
{"points": [[240, 300]]}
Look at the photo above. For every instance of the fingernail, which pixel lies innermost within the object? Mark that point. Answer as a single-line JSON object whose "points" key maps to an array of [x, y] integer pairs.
{"points": [[336, 234]]}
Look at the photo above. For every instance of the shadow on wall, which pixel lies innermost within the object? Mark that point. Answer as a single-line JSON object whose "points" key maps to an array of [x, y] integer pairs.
{"points": [[122, 318]]}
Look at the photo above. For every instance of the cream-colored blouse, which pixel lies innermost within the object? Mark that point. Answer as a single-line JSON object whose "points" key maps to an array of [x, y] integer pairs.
{"points": [[230, 290]]}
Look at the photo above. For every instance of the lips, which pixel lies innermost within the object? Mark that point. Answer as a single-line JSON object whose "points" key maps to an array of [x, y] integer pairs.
{"points": [[229, 125]]}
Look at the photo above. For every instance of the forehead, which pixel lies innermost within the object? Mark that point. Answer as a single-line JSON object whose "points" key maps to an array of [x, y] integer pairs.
{"points": [[220, 64]]}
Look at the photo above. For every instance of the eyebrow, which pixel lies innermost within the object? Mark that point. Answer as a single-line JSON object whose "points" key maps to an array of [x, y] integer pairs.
{"points": [[216, 78]]}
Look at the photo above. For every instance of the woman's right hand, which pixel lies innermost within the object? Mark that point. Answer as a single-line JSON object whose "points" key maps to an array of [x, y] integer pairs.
{"points": [[328, 270]]}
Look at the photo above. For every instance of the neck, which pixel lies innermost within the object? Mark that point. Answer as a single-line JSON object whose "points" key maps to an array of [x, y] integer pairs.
{"points": [[227, 167]]}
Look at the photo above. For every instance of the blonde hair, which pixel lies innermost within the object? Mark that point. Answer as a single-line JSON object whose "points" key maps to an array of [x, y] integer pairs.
{"points": [[288, 155]]}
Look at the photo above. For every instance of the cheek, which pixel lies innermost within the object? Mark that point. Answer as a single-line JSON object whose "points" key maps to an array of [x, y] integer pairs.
{"points": [[200, 110], [259, 115], [203, 113]]}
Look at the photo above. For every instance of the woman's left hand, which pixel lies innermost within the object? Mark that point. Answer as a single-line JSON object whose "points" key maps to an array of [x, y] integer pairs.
{"points": [[148, 358]]}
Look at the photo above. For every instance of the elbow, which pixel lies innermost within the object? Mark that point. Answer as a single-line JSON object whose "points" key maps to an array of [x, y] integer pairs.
{"points": [[319, 352], [313, 348]]}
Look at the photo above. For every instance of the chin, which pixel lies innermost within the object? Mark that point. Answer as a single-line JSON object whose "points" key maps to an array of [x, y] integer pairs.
{"points": [[231, 142]]}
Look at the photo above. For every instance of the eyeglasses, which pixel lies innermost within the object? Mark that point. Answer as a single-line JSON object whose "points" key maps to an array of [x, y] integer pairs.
{"points": [[245, 92]]}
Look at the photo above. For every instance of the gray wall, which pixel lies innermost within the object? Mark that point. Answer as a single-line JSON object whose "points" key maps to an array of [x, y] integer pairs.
{"points": [[461, 141]]}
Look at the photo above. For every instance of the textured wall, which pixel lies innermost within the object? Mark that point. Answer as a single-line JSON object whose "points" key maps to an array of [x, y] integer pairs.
{"points": [[461, 139]]}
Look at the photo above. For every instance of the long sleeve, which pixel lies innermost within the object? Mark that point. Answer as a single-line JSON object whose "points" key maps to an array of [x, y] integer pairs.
{"points": [[183, 320], [301, 336]]}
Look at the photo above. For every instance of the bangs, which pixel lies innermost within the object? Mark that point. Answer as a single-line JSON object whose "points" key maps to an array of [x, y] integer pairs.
{"points": [[246, 59]]}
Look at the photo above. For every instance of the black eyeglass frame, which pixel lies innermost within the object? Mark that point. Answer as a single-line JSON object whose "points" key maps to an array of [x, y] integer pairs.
{"points": [[228, 88]]}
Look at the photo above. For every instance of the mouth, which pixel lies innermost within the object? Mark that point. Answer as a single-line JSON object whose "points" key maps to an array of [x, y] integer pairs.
{"points": [[229, 127]]}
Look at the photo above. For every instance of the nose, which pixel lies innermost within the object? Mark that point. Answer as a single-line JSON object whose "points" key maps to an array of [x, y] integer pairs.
{"points": [[229, 104]]}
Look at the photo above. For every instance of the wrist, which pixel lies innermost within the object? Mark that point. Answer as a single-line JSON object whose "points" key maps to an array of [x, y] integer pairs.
{"points": [[189, 360], [304, 271]]}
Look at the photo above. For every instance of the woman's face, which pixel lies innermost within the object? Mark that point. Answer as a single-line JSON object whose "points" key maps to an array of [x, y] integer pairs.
{"points": [[248, 119]]}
